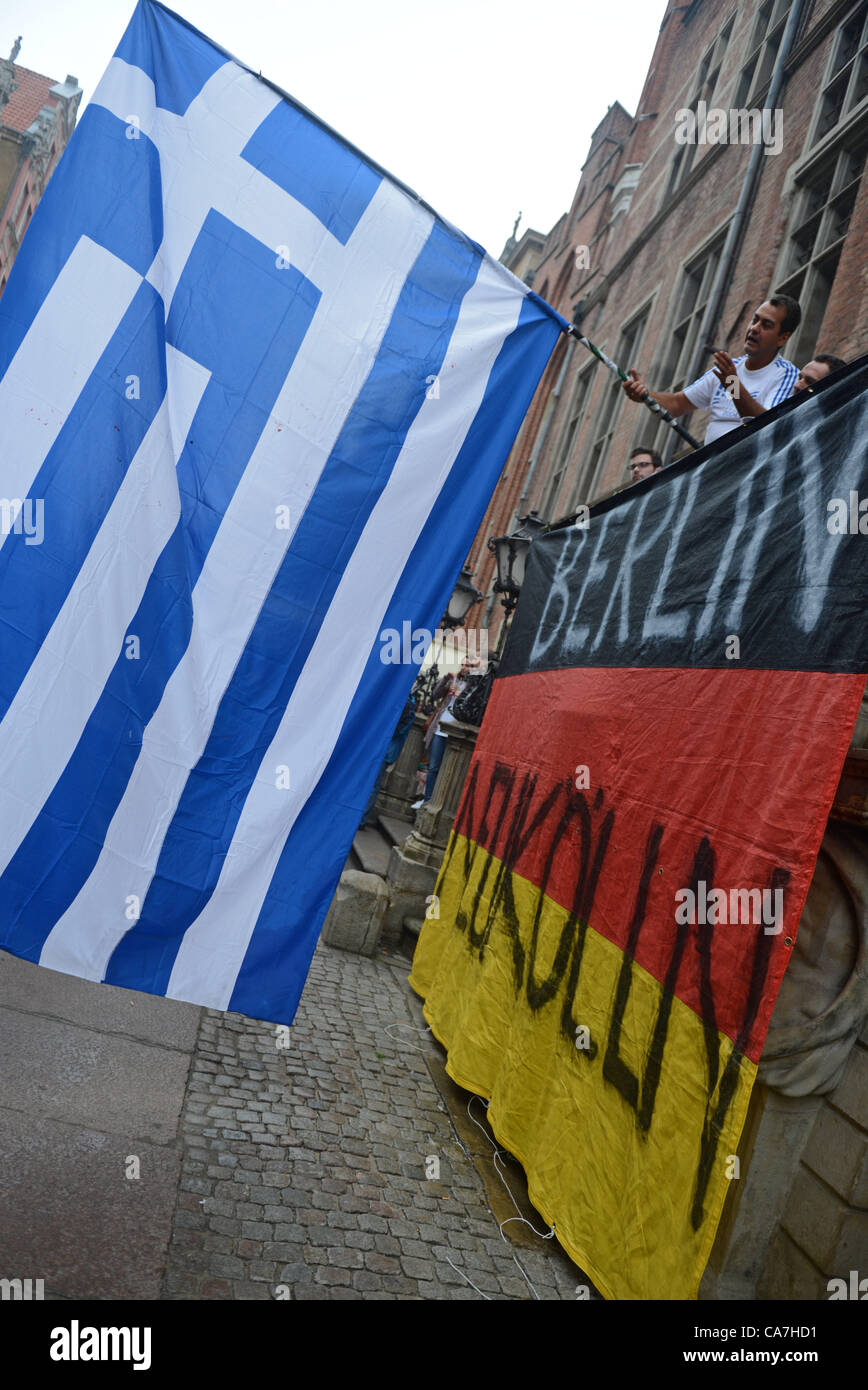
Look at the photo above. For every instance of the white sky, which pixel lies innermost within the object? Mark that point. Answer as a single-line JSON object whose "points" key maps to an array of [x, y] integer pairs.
{"points": [[458, 98]]}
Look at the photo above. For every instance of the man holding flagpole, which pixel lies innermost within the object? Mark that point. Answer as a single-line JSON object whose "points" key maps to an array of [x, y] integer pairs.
{"points": [[738, 389]]}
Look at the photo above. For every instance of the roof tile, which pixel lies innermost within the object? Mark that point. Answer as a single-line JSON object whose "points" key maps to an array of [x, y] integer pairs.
{"points": [[28, 99]]}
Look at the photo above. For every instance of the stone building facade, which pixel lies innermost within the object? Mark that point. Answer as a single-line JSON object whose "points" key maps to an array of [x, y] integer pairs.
{"points": [[37, 117], [640, 247]]}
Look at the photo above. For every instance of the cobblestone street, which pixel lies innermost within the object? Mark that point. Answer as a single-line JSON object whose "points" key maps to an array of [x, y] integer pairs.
{"points": [[305, 1167]]}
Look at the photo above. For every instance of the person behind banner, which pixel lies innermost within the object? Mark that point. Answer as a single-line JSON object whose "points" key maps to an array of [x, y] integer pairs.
{"points": [[735, 390], [817, 370], [644, 462]]}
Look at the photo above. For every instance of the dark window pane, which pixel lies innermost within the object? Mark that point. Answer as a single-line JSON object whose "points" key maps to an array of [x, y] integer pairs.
{"points": [[764, 14], [849, 38], [676, 168], [842, 208], [814, 308], [744, 84], [851, 166], [860, 87], [766, 65]]}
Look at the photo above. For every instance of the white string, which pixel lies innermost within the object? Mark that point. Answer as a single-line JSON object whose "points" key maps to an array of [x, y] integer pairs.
{"points": [[542, 1236], [502, 1177], [521, 1271], [405, 1042], [469, 1281], [497, 1155]]}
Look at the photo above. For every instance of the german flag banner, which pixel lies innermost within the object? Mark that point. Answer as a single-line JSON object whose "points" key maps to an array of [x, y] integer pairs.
{"points": [[620, 895]]}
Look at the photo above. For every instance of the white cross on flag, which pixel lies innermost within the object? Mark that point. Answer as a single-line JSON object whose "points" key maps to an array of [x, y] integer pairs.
{"points": [[254, 399]]}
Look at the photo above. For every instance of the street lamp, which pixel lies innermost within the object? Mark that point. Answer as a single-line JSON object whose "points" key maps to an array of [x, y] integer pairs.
{"points": [[464, 595], [510, 554]]}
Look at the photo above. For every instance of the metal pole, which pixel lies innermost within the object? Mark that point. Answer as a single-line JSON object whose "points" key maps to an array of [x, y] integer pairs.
{"points": [[509, 603], [647, 399]]}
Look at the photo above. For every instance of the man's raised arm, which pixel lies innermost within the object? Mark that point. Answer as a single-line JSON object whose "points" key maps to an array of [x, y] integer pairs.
{"points": [[674, 401]]}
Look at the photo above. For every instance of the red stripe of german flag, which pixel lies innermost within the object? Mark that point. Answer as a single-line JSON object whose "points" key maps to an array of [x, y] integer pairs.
{"points": [[678, 787]]}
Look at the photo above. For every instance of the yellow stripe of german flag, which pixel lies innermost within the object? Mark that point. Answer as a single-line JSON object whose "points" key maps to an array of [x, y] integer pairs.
{"points": [[635, 1204]]}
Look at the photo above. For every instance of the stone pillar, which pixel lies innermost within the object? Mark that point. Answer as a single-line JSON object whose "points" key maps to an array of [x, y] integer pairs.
{"points": [[434, 820], [398, 791], [769, 1152], [355, 919]]}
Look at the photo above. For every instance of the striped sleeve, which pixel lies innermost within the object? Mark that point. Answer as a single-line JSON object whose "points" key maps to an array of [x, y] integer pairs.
{"points": [[787, 382]]}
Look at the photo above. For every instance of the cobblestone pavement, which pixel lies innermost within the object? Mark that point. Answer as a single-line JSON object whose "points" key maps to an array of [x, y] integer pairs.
{"points": [[304, 1166]]}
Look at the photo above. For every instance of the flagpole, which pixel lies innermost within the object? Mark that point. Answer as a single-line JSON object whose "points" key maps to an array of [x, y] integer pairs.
{"points": [[647, 399]]}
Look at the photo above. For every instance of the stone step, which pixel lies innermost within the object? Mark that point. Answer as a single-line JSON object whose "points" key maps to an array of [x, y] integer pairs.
{"points": [[413, 925], [372, 851], [395, 831]]}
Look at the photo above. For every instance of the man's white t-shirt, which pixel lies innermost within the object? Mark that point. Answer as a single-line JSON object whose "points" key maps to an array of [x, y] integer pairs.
{"points": [[770, 385]]}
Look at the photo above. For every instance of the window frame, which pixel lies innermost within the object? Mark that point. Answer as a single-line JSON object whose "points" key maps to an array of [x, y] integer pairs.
{"points": [[846, 111], [705, 260], [763, 53], [705, 83], [803, 279], [584, 377], [630, 339]]}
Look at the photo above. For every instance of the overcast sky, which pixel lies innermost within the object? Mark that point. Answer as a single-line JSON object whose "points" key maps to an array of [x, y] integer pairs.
{"points": [[484, 107]]}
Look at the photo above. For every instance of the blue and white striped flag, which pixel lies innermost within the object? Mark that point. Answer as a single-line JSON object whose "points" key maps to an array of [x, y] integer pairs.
{"points": [[254, 399]]}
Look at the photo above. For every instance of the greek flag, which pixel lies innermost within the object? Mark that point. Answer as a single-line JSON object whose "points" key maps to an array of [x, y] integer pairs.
{"points": [[254, 398]]}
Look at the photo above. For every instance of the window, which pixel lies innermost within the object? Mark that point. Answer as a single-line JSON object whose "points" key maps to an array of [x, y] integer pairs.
{"points": [[22, 198], [692, 297], [704, 87], [608, 414], [818, 228], [568, 436], [765, 41], [847, 79]]}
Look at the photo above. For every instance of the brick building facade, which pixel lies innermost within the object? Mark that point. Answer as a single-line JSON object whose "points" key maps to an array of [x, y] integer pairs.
{"points": [[37, 117], [641, 244]]}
